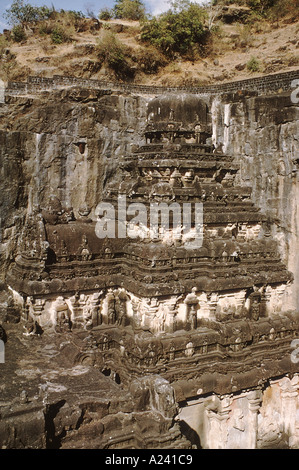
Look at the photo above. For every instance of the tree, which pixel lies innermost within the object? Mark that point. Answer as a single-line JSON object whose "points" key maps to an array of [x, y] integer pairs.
{"points": [[261, 6], [181, 29], [214, 11], [22, 13], [129, 9]]}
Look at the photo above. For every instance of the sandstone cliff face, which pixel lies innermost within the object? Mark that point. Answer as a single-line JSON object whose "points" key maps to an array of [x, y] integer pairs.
{"points": [[66, 144]]}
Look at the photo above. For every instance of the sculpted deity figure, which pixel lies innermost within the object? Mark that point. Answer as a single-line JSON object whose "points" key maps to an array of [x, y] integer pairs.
{"points": [[150, 354], [255, 305], [84, 249], [159, 320], [111, 313], [191, 302], [105, 343], [193, 317], [62, 314], [189, 348], [121, 308], [171, 351]]}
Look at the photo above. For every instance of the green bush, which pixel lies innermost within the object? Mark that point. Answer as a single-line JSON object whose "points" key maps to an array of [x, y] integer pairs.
{"points": [[253, 65], [180, 29], [284, 8], [18, 33], [57, 36], [72, 18], [150, 60], [112, 52], [129, 9], [20, 13], [3, 45], [106, 14], [60, 34], [261, 6]]}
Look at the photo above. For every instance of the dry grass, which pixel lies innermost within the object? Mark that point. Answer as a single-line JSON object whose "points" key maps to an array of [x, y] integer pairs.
{"points": [[226, 55]]}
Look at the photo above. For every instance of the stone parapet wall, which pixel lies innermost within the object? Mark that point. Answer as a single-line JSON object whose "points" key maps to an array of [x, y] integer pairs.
{"points": [[261, 85]]}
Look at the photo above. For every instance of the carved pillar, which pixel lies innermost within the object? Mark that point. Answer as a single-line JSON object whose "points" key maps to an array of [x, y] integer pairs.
{"points": [[240, 299], [173, 320], [77, 320], [254, 402], [289, 399], [217, 413], [267, 299], [191, 302], [213, 304], [38, 307], [27, 304], [94, 309]]}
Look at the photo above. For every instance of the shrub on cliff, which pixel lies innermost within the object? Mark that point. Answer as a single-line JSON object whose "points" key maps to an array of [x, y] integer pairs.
{"points": [[18, 34], [150, 60], [106, 14], [253, 65], [115, 55], [59, 35], [266, 9], [62, 26], [3, 45], [22, 14]]}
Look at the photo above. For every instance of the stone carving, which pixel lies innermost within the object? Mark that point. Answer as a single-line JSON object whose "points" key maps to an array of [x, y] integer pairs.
{"points": [[111, 309], [121, 308], [189, 349], [142, 307], [84, 212], [192, 302], [84, 251], [62, 315], [255, 305]]}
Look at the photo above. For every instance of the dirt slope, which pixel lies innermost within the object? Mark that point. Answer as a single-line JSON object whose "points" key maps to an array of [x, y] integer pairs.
{"points": [[276, 47]]}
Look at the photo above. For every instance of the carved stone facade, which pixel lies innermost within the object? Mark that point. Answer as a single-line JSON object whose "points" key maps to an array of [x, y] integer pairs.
{"points": [[209, 328]]}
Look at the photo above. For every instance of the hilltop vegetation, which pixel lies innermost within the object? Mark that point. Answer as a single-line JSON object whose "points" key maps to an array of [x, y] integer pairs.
{"points": [[187, 45]]}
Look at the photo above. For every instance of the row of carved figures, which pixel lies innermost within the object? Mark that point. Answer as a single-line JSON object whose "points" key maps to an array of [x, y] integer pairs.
{"points": [[153, 352], [117, 307]]}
